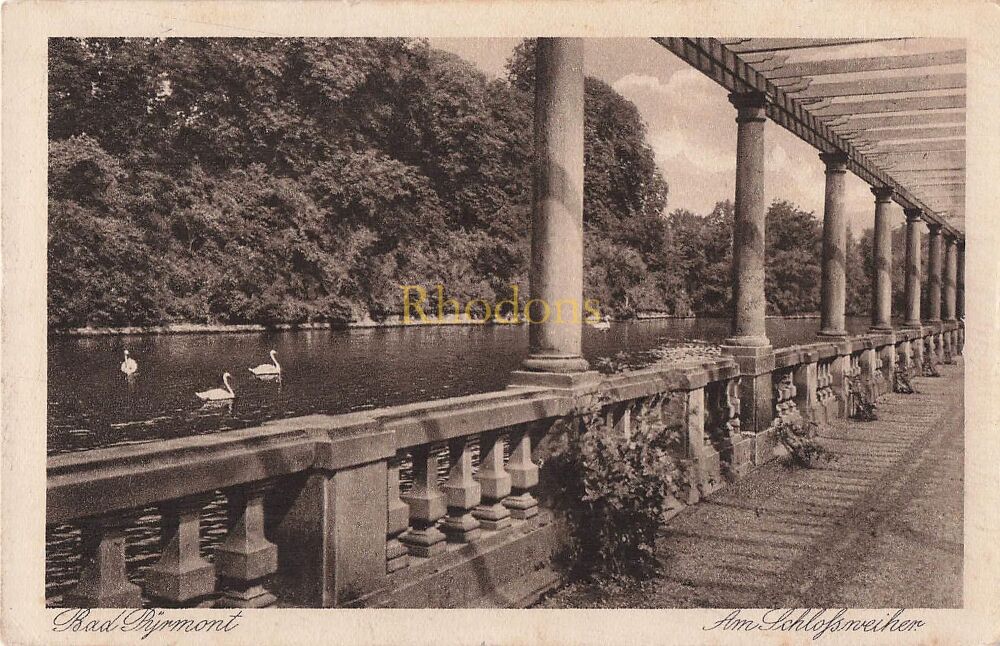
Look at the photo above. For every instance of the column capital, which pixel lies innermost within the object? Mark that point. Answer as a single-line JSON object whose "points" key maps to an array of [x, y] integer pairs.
{"points": [[934, 228], [883, 194], [836, 161], [750, 106], [913, 215]]}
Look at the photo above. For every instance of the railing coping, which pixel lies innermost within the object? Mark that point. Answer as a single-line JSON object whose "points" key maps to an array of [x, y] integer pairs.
{"points": [[122, 478]]}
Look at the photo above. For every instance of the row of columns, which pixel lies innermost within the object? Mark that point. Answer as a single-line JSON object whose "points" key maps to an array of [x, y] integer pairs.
{"points": [[556, 273]]}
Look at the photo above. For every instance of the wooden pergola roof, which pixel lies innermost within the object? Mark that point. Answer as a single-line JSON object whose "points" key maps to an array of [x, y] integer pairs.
{"points": [[895, 107]]}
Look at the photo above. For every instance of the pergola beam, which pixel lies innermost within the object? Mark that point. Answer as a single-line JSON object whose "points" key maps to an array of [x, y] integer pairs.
{"points": [[890, 85], [901, 104], [950, 156], [932, 178], [719, 63], [898, 120], [867, 64], [943, 132], [936, 183], [942, 189], [929, 166], [753, 45], [921, 146]]}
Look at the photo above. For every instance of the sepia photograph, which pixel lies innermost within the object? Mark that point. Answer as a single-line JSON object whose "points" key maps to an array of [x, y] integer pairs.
{"points": [[461, 263], [546, 322]]}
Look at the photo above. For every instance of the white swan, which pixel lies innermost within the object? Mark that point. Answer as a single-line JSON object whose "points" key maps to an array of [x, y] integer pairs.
{"points": [[218, 394], [265, 369], [603, 325], [129, 366]]}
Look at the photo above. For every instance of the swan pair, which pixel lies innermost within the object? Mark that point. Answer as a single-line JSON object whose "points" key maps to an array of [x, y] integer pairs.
{"points": [[222, 394]]}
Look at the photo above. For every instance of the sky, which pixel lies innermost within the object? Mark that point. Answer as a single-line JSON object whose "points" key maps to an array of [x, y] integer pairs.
{"points": [[692, 127]]}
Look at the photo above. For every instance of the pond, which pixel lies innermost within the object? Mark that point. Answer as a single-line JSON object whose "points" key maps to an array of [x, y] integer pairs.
{"points": [[91, 405]]}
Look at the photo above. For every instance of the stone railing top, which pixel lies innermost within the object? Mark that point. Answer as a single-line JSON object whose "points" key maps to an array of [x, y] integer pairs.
{"points": [[116, 479]]}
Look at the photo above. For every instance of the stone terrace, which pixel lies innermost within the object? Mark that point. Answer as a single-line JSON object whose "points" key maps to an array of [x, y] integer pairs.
{"points": [[880, 526]]}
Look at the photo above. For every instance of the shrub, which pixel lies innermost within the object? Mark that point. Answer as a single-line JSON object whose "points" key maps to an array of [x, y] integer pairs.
{"points": [[929, 369], [614, 486], [864, 405], [799, 438], [901, 381]]}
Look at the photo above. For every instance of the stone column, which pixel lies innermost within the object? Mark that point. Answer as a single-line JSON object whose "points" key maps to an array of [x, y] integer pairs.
{"points": [[882, 247], [834, 289], [749, 302], [556, 273], [912, 268], [934, 274], [748, 342], [950, 276], [960, 282]]}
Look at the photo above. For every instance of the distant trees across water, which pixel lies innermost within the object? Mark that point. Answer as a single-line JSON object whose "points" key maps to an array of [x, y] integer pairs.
{"points": [[297, 179]]}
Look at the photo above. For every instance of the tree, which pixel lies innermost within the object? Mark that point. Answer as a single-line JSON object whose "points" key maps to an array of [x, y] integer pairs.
{"points": [[290, 179], [793, 247]]}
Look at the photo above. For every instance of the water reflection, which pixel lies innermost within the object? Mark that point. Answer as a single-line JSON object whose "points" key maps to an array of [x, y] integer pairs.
{"points": [[91, 404]]}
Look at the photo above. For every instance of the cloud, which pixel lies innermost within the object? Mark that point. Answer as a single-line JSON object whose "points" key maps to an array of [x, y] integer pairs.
{"points": [[678, 144], [686, 83]]}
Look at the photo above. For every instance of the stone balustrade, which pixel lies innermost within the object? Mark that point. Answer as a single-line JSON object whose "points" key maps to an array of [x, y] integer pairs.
{"points": [[319, 513]]}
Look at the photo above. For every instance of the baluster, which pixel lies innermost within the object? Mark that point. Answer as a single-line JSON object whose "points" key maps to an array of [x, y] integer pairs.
{"points": [[427, 505], [245, 558], [396, 556], [463, 492], [181, 575], [103, 578], [494, 482], [523, 476]]}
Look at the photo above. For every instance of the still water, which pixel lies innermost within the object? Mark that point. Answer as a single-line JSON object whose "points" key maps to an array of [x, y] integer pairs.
{"points": [[91, 405], [324, 371]]}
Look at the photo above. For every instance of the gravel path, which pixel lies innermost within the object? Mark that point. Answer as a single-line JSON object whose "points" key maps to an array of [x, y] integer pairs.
{"points": [[879, 527]]}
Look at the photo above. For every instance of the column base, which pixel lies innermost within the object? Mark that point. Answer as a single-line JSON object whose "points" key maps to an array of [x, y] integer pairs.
{"points": [[492, 516], [424, 541], [916, 325], [556, 380], [252, 596], [522, 506], [747, 341], [559, 363], [880, 328], [832, 334]]}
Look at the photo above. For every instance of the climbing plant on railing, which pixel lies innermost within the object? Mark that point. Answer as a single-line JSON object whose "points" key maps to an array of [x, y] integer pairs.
{"points": [[901, 381], [614, 482], [799, 437], [864, 404]]}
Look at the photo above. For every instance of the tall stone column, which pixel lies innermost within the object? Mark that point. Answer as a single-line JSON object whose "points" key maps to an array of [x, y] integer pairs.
{"points": [[950, 276], [882, 277], [833, 296], [749, 302], [912, 284], [960, 282], [934, 274], [556, 273], [748, 342]]}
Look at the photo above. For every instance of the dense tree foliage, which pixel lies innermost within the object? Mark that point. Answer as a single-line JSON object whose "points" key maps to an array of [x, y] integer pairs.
{"points": [[289, 179]]}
